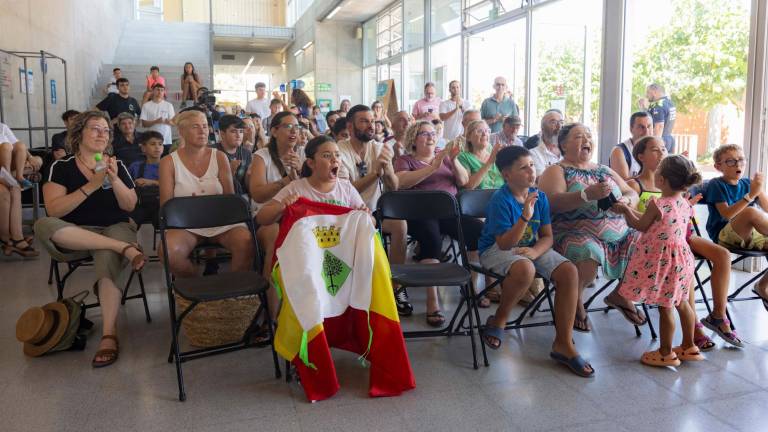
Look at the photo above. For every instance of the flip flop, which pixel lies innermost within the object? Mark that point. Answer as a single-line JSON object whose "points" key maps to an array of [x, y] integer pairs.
{"points": [[655, 358], [575, 364], [688, 354], [626, 312], [584, 320], [714, 324], [765, 301], [490, 331]]}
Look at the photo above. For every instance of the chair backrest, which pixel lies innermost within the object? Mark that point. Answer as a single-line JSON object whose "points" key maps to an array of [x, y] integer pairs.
{"points": [[473, 203], [204, 211], [417, 205]]}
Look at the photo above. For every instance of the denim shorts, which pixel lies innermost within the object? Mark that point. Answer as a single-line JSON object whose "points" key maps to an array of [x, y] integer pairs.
{"points": [[499, 261]]}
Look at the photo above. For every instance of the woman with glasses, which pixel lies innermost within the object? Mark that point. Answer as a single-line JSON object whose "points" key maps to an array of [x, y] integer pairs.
{"points": [[425, 169], [197, 169], [273, 168], [479, 157], [379, 115], [88, 199]]}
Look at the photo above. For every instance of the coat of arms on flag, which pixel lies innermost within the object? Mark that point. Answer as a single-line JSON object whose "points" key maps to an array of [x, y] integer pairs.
{"points": [[336, 289]]}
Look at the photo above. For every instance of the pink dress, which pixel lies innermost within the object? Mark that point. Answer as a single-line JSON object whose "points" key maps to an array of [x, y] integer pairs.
{"points": [[661, 267]]}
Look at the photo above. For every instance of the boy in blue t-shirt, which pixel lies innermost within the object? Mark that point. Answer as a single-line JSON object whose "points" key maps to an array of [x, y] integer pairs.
{"points": [[516, 241], [734, 221]]}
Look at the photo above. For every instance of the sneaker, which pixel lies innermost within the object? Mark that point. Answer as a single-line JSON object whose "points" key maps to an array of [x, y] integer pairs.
{"points": [[404, 308]]}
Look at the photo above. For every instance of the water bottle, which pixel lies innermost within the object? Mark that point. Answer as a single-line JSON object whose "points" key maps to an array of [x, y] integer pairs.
{"points": [[102, 166]]}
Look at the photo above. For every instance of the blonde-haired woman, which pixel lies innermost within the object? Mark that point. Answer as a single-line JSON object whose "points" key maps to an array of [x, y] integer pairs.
{"points": [[479, 158], [424, 169], [196, 169], [87, 213]]}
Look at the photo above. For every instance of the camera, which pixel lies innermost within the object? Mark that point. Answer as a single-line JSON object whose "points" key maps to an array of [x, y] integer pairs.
{"points": [[207, 98]]}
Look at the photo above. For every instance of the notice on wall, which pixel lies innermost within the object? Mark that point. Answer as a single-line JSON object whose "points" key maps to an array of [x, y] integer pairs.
{"points": [[323, 87], [325, 105], [5, 75], [53, 92], [26, 81]]}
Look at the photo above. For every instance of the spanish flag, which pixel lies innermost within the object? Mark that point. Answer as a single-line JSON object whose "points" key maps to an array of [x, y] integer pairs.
{"points": [[336, 288]]}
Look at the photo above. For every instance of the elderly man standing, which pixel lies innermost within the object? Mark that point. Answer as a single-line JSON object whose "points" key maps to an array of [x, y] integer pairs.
{"points": [[508, 135], [500, 105], [543, 146], [622, 161], [427, 107], [452, 111]]}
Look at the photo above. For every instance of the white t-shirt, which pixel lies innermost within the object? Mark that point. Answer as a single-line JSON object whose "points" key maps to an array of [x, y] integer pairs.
{"points": [[343, 194], [258, 106], [542, 157], [152, 110], [349, 168], [500, 137], [6, 135], [452, 125], [270, 169]]}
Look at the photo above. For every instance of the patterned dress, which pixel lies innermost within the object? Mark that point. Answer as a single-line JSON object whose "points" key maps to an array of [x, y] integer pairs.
{"points": [[588, 233], [662, 264]]}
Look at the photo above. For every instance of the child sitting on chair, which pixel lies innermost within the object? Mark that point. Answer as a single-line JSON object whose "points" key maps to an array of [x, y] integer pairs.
{"points": [[146, 176], [516, 241], [734, 221]]}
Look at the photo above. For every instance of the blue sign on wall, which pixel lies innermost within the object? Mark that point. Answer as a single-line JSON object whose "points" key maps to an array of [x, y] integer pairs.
{"points": [[53, 92]]}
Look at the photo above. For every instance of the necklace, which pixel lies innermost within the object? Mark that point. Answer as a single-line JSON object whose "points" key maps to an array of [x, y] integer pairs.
{"points": [[85, 164]]}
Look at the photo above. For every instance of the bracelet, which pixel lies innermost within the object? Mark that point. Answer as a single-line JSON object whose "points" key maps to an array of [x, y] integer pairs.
{"points": [[524, 219], [83, 191], [747, 199]]}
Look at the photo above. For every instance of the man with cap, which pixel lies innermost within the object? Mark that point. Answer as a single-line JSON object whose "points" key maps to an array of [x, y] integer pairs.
{"points": [[507, 136]]}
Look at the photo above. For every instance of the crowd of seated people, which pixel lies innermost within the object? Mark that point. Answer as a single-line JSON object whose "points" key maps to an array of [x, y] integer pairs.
{"points": [[545, 218]]}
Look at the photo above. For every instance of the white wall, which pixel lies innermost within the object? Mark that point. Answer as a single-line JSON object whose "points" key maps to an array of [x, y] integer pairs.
{"points": [[85, 33]]}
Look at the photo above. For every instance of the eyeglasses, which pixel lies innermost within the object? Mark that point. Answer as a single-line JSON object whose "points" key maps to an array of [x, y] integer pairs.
{"points": [[432, 134], [291, 126], [499, 84], [362, 168], [99, 130], [735, 162], [482, 131]]}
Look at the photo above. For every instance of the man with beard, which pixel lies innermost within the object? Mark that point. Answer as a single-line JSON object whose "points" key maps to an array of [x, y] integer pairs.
{"points": [[452, 110], [543, 146], [367, 164]]}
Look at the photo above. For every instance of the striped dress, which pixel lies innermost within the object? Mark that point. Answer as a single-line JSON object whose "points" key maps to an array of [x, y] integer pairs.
{"points": [[590, 233]]}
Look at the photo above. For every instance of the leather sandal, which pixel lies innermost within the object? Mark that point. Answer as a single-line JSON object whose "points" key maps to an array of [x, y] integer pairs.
{"points": [[137, 263], [714, 324], [12, 247], [109, 353]]}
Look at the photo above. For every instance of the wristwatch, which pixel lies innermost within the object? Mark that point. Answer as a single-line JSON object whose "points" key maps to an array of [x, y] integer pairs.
{"points": [[583, 195]]}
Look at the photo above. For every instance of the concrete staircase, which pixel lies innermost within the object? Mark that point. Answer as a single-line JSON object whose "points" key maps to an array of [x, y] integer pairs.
{"points": [[153, 43]]}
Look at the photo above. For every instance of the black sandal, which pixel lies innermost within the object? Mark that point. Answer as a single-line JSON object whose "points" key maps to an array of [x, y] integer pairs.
{"points": [[435, 319]]}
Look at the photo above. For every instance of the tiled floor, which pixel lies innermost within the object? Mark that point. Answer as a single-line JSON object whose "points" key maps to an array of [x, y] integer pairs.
{"points": [[521, 390]]}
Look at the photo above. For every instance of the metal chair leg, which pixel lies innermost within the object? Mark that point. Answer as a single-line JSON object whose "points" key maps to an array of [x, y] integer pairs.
{"points": [[50, 272], [144, 298], [649, 322]]}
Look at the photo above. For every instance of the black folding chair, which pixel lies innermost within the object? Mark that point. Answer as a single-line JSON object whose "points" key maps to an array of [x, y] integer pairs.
{"points": [[425, 205], [76, 259], [473, 203], [205, 212], [741, 255]]}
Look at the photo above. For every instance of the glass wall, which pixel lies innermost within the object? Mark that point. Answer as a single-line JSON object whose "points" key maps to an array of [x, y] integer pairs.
{"points": [[703, 45], [565, 61], [499, 51], [414, 67], [413, 20], [445, 64], [369, 84], [446, 18], [369, 43]]}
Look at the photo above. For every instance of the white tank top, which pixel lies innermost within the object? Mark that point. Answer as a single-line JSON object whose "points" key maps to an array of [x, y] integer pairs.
{"points": [[188, 184]]}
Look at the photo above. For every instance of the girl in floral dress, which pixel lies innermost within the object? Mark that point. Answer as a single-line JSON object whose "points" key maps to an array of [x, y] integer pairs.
{"points": [[661, 268]]}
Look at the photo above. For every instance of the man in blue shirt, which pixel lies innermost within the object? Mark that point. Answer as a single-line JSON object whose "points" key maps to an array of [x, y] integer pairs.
{"points": [[498, 106], [664, 114], [516, 242]]}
